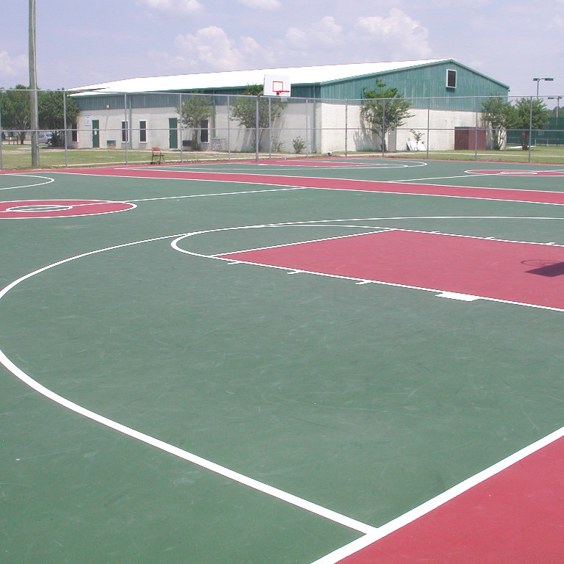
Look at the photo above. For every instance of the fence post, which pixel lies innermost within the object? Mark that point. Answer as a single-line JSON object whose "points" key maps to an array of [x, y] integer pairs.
{"points": [[269, 128], [428, 125], [346, 128], [229, 127], [65, 127], [476, 139], [126, 127], [308, 142], [530, 126], [257, 127]]}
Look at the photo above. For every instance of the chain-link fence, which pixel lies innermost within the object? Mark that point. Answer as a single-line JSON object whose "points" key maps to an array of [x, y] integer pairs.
{"points": [[88, 128]]}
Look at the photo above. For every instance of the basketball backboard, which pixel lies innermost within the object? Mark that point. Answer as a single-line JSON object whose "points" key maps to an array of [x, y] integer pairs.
{"points": [[277, 85]]}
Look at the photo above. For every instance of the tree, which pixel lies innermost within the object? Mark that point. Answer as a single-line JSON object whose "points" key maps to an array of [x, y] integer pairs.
{"points": [[383, 110], [194, 110], [530, 113], [14, 105], [499, 115], [244, 110], [15, 108], [51, 104]]}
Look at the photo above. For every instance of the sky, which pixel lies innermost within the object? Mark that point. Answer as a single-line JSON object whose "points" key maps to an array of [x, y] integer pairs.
{"points": [[92, 41]]}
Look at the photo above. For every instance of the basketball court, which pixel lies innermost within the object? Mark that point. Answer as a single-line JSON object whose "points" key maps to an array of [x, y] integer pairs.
{"points": [[311, 360]]}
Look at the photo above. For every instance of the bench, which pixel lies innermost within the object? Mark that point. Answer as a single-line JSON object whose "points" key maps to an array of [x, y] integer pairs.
{"points": [[157, 156]]}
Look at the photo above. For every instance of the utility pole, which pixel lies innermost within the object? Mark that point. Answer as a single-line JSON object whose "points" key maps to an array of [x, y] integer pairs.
{"points": [[34, 112]]}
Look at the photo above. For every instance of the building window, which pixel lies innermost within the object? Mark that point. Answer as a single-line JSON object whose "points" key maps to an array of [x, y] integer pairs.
{"points": [[450, 78], [143, 132], [124, 132]]}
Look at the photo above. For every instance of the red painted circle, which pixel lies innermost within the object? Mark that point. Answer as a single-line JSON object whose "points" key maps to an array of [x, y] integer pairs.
{"points": [[21, 209]]}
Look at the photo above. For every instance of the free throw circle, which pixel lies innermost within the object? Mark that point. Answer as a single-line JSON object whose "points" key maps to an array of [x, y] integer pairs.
{"points": [[25, 209]]}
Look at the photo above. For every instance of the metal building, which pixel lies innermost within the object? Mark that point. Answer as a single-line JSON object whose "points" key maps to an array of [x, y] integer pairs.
{"points": [[322, 107]]}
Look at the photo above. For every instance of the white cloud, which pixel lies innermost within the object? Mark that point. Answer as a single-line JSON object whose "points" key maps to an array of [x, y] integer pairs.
{"points": [[211, 49], [324, 32], [460, 4], [261, 4], [557, 22], [11, 66], [371, 38], [209, 45], [399, 34], [327, 30], [173, 6]]}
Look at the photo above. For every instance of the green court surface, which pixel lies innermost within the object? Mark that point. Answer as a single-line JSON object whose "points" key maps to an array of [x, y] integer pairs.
{"points": [[161, 404]]}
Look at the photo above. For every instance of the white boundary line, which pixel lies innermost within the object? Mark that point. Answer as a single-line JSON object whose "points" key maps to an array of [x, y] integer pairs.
{"points": [[319, 240], [157, 443], [440, 292], [68, 206], [47, 178], [350, 189], [240, 192], [439, 500], [371, 534]]}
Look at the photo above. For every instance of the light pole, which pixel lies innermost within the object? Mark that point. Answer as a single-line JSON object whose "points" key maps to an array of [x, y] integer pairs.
{"points": [[538, 81], [557, 98], [33, 86]]}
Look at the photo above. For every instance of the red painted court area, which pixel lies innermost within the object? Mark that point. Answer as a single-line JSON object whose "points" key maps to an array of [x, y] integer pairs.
{"points": [[515, 516], [508, 513], [34, 209], [524, 273], [503, 194]]}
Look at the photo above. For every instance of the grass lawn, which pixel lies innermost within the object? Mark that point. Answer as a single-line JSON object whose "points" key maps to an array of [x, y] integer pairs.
{"points": [[18, 157], [539, 154]]}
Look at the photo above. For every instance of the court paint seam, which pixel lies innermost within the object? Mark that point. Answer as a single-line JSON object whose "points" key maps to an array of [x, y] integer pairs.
{"points": [[157, 443]]}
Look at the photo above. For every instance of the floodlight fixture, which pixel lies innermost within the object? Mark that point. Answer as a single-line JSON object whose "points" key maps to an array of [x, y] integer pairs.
{"points": [[538, 81]]}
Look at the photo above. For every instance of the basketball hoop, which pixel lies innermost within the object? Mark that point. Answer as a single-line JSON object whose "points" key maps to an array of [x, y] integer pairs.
{"points": [[277, 85]]}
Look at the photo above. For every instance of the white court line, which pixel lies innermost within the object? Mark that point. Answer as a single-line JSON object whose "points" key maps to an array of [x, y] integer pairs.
{"points": [[492, 188], [443, 178], [323, 223], [371, 532], [348, 189], [439, 500], [157, 443], [218, 194], [319, 240], [48, 179]]}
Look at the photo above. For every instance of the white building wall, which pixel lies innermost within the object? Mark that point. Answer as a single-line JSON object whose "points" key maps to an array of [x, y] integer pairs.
{"points": [[322, 126], [110, 123]]}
